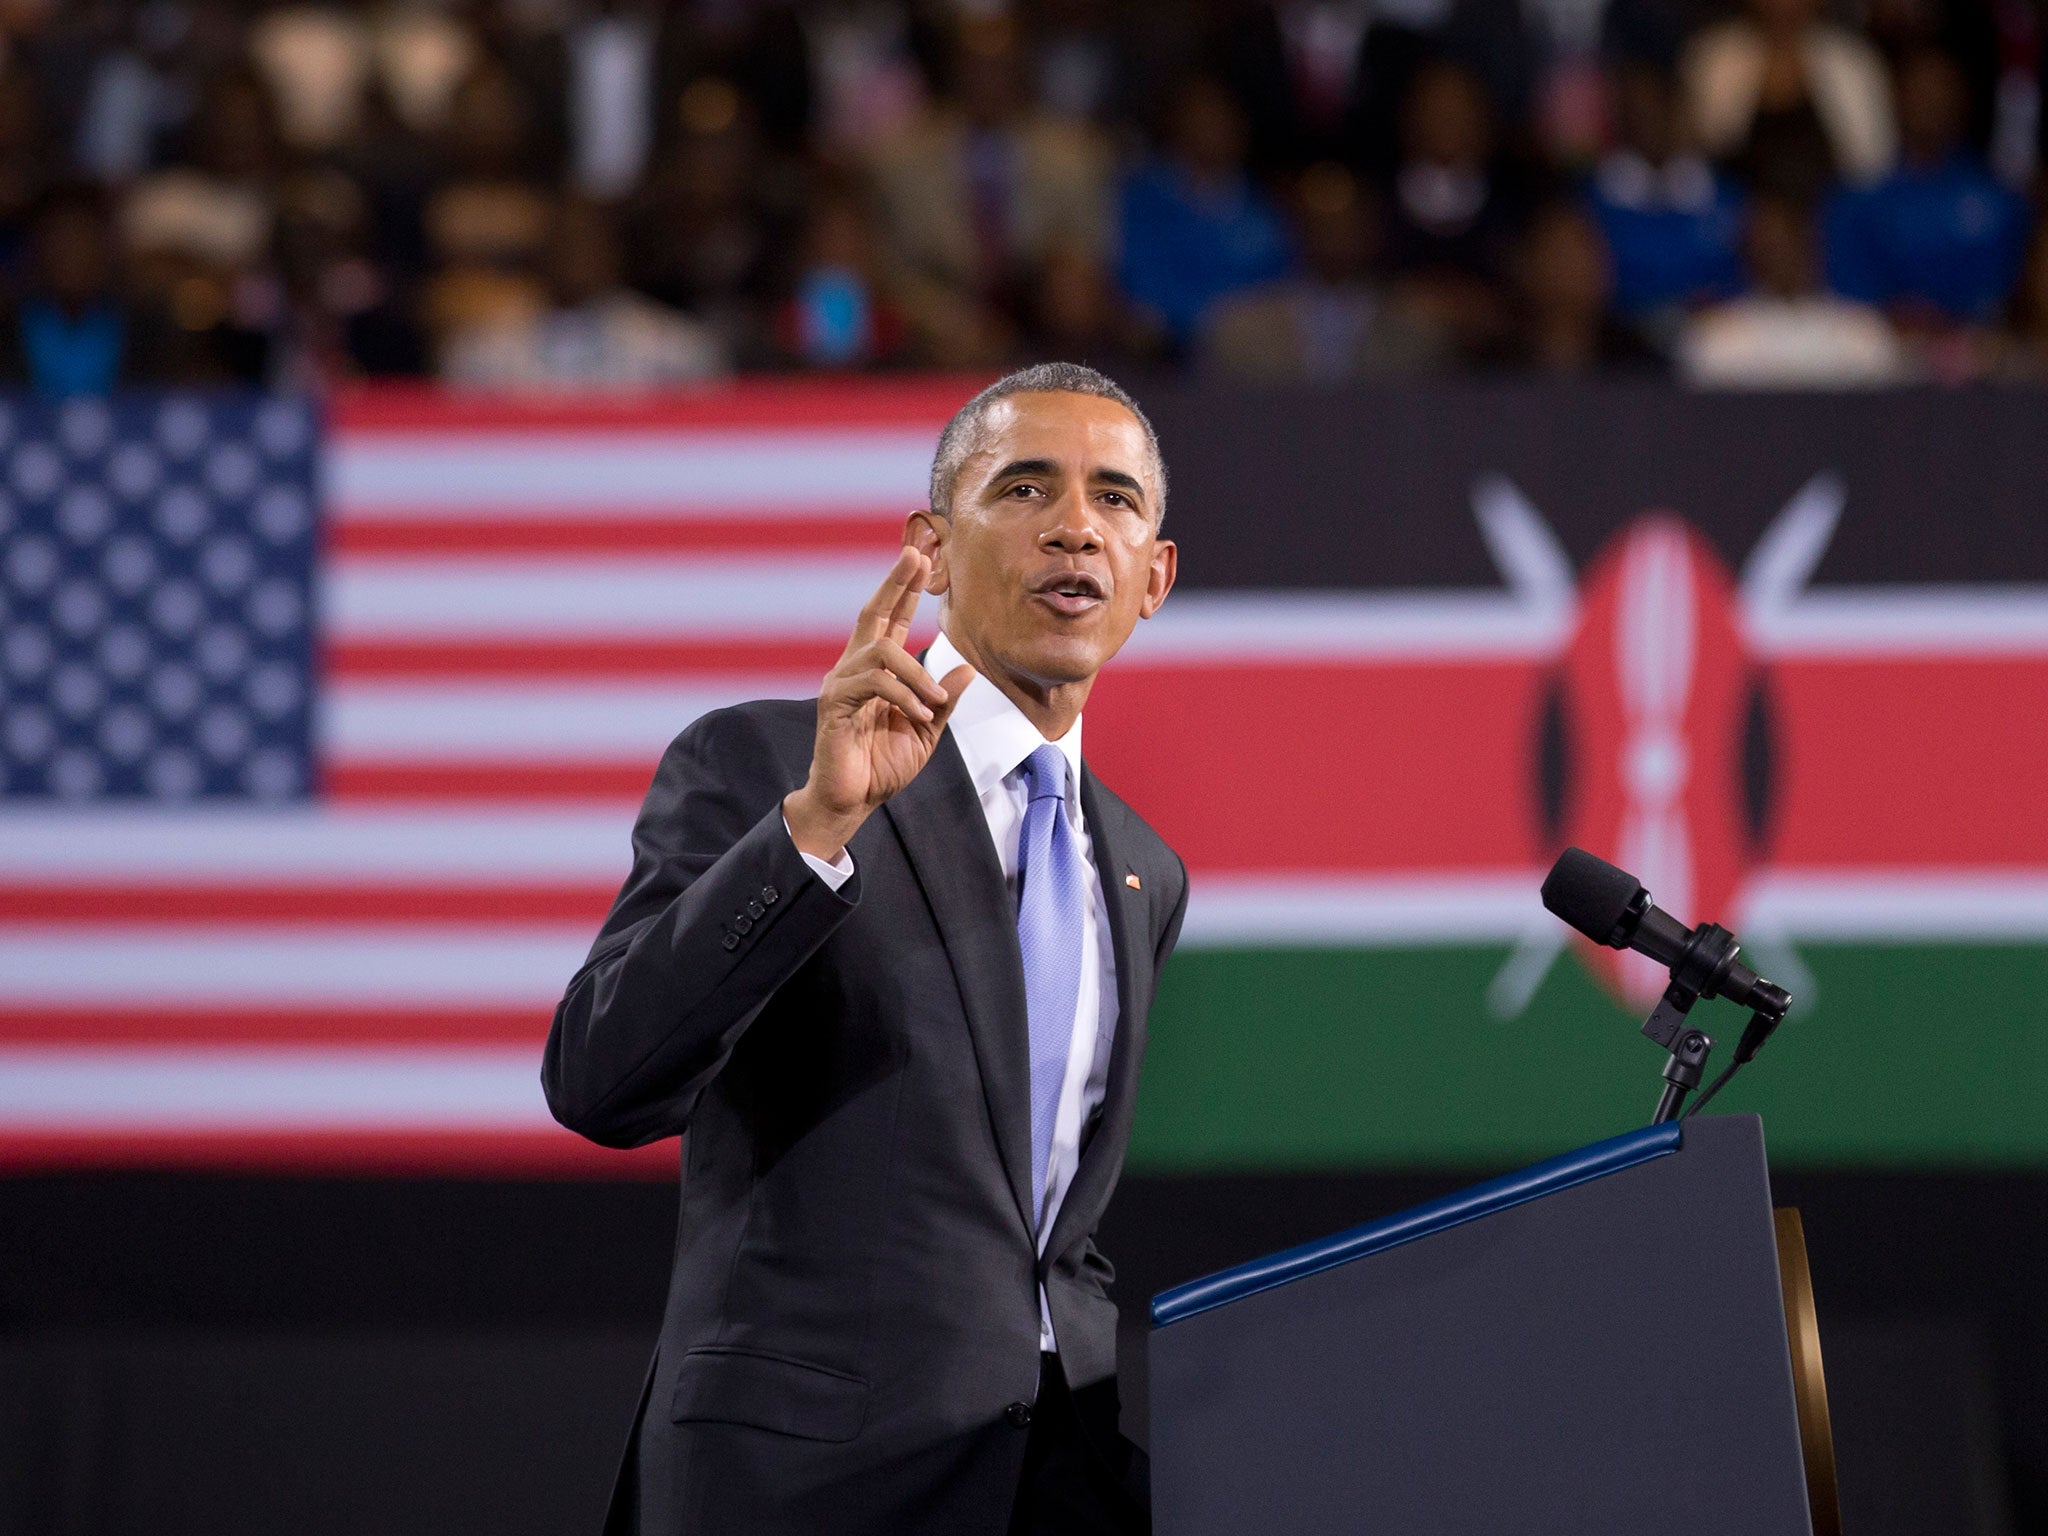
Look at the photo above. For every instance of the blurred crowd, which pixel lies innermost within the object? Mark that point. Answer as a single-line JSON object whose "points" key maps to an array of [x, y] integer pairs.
{"points": [[561, 193]]}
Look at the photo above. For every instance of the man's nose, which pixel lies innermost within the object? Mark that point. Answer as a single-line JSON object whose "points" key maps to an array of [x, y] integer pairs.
{"points": [[1073, 530]]}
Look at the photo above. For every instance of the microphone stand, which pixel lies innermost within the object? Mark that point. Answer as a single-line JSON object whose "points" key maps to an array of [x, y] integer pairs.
{"points": [[1688, 1047], [1698, 971]]}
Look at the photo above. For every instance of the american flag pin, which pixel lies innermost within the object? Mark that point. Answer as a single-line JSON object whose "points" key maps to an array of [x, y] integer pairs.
{"points": [[1132, 882]]}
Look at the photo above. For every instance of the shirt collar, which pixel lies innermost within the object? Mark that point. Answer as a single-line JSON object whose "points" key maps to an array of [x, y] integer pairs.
{"points": [[992, 733]]}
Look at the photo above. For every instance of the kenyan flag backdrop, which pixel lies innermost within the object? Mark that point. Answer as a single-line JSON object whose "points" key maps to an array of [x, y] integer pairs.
{"points": [[1785, 658]]}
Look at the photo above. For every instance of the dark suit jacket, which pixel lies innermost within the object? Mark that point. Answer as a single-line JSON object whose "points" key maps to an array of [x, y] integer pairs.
{"points": [[854, 1303]]}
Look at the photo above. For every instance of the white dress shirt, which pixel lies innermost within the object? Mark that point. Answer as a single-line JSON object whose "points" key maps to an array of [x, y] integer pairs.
{"points": [[994, 738]]}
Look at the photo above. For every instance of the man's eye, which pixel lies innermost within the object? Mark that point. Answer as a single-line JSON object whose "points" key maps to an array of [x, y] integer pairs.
{"points": [[1116, 498], [1024, 490]]}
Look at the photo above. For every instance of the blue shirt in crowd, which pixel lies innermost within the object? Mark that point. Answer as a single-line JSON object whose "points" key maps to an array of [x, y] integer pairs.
{"points": [[1674, 231], [1949, 234], [71, 355], [1185, 244]]}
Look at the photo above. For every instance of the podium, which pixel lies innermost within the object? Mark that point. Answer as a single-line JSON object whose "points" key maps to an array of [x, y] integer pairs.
{"points": [[1594, 1345]]}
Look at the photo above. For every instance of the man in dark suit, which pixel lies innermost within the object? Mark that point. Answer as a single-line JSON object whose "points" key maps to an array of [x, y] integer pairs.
{"points": [[883, 962]]}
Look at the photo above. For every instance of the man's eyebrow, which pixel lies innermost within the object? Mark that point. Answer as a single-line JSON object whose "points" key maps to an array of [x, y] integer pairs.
{"points": [[1016, 467], [1118, 478]]}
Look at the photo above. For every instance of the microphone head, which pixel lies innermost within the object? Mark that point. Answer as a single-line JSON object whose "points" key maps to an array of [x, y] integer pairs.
{"points": [[1602, 902]]}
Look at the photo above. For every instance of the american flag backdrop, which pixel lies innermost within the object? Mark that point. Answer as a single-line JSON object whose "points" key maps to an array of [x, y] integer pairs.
{"points": [[322, 737]]}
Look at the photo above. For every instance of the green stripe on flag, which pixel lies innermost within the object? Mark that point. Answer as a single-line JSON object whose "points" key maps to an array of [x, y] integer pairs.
{"points": [[1924, 1054]]}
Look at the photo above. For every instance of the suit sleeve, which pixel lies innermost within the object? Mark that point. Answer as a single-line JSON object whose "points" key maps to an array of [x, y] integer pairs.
{"points": [[719, 911]]}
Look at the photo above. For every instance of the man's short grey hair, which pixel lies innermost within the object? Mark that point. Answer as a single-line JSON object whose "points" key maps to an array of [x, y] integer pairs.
{"points": [[963, 433]]}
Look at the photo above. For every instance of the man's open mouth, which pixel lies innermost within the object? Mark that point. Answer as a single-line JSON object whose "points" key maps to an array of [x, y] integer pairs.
{"points": [[1069, 592]]}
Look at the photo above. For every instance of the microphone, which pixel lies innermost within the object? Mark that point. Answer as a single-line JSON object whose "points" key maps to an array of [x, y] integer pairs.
{"points": [[1610, 906]]}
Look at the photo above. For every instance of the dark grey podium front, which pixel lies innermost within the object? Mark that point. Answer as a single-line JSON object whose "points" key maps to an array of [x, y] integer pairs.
{"points": [[1594, 1345]]}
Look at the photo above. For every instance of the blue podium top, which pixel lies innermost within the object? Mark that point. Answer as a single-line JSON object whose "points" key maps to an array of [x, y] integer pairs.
{"points": [[1532, 1183]]}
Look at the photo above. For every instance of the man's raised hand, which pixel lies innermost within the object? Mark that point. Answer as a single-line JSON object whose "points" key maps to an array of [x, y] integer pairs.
{"points": [[880, 714]]}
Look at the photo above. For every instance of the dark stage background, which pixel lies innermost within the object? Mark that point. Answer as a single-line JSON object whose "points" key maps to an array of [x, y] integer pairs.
{"points": [[216, 1354]]}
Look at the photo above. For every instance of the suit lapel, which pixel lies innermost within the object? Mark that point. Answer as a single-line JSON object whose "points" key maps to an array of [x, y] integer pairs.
{"points": [[1101, 1152], [938, 818]]}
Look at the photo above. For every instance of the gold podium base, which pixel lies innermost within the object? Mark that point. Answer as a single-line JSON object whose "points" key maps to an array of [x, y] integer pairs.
{"points": [[1809, 1381]]}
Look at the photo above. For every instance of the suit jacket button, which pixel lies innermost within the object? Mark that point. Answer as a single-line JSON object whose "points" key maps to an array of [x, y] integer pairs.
{"points": [[742, 922], [756, 910], [732, 941], [1019, 1415], [770, 895]]}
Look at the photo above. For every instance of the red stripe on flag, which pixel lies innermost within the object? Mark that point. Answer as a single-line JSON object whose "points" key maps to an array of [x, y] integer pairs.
{"points": [[276, 1026], [87, 904], [489, 1154], [1909, 763], [1415, 766], [359, 536], [578, 658]]}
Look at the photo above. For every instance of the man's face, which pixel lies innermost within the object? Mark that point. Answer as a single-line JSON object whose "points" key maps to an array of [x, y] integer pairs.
{"points": [[1052, 553]]}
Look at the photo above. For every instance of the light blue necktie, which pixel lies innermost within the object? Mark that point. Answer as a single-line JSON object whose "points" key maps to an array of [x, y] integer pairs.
{"points": [[1049, 897]]}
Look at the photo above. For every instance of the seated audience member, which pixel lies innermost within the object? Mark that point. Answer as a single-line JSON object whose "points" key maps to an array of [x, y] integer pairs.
{"points": [[864, 75], [593, 334], [1541, 61], [1083, 60], [1454, 213], [486, 225], [1195, 226], [1785, 333], [1565, 280], [611, 67], [975, 192], [317, 60], [349, 315], [716, 219], [199, 238], [1789, 100], [1334, 322], [766, 48], [423, 55], [1323, 79], [1078, 313], [1940, 238], [1672, 224], [836, 314], [70, 334]]}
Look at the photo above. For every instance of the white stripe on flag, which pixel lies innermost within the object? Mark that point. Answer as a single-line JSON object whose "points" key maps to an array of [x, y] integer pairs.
{"points": [[1258, 627], [1899, 906], [521, 722], [817, 471], [338, 965], [255, 1089], [1309, 910], [1913, 623], [315, 845], [712, 597], [1316, 909]]}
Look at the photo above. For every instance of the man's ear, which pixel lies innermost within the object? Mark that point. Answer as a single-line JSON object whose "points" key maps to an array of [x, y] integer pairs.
{"points": [[1159, 576], [925, 531]]}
